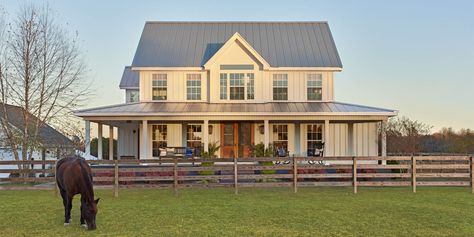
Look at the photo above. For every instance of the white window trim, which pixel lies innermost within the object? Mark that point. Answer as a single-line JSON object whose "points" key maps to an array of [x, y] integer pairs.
{"points": [[186, 87], [306, 86], [152, 87], [245, 72]]}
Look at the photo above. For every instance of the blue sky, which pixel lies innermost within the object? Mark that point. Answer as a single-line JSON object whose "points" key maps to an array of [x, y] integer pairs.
{"points": [[413, 56]]}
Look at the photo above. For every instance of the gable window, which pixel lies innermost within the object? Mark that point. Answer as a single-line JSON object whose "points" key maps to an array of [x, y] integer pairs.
{"points": [[159, 87], [237, 86], [159, 136], [314, 138], [193, 135], [280, 86], [223, 86], [314, 87], [250, 86], [193, 86]]}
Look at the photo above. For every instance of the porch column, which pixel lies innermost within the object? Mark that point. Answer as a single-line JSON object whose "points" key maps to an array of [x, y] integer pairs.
{"points": [[88, 137], [326, 137], [144, 144], [383, 128], [266, 136], [111, 142], [350, 139], [99, 141], [297, 151], [205, 137]]}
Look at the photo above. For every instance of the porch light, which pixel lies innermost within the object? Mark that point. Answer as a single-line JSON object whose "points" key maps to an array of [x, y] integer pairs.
{"points": [[210, 129], [261, 129]]}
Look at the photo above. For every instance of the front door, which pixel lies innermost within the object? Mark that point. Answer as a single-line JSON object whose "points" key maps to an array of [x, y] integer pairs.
{"points": [[237, 139]]}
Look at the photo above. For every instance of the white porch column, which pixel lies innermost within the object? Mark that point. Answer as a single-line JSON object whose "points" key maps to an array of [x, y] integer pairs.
{"points": [[326, 137], [111, 142], [144, 144], [383, 129], [205, 137], [350, 139], [99, 141], [266, 136], [88, 137]]}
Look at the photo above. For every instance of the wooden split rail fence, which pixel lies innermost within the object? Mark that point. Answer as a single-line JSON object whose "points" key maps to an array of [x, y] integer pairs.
{"points": [[290, 172]]}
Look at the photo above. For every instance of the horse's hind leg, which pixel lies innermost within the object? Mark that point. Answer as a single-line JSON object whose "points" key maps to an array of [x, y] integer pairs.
{"points": [[67, 210], [65, 203]]}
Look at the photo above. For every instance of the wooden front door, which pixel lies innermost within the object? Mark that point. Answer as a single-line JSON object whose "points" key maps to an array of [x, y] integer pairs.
{"points": [[236, 139]]}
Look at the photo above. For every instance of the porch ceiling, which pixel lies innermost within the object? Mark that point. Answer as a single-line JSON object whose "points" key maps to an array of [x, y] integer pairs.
{"points": [[234, 109]]}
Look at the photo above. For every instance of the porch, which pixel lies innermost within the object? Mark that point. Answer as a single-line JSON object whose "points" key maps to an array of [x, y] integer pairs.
{"points": [[299, 136]]}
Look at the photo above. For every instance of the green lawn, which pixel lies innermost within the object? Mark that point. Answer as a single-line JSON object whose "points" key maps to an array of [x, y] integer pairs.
{"points": [[254, 212]]}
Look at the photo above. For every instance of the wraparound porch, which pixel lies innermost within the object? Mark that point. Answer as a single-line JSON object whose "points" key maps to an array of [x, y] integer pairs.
{"points": [[141, 137]]}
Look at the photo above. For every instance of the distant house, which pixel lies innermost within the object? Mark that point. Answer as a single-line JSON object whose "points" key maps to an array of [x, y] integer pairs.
{"points": [[52, 144], [238, 84]]}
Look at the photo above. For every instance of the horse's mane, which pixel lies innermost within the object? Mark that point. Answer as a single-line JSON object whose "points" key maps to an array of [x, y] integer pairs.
{"points": [[87, 177]]}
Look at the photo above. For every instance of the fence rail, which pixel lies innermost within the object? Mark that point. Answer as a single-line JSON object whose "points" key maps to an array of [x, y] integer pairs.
{"points": [[291, 172]]}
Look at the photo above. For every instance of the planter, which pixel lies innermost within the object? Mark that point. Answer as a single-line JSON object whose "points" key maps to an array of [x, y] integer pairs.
{"points": [[266, 163], [207, 172]]}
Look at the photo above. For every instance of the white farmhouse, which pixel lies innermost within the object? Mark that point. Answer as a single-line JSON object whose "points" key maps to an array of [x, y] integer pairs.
{"points": [[238, 84]]}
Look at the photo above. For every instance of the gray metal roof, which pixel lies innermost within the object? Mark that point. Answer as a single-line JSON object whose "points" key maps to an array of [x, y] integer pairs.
{"points": [[47, 135], [277, 108], [192, 44], [129, 79]]}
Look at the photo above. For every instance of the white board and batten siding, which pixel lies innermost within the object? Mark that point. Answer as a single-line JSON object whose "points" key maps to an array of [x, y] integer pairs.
{"points": [[210, 81]]}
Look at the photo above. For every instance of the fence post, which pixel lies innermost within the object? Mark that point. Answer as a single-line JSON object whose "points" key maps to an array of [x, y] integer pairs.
{"points": [[175, 175], [354, 173], [116, 178], [472, 174], [295, 174], [236, 178], [413, 173]]}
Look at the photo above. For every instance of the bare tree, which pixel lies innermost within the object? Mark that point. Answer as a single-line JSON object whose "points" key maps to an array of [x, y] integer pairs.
{"points": [[41, 71], [404, 135]]}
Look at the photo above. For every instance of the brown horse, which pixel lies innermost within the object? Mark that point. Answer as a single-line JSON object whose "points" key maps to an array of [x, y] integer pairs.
{"points": [[74, 176]]}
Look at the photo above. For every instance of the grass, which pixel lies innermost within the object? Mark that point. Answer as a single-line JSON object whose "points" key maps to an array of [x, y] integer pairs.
{"points": [[254, 212]]}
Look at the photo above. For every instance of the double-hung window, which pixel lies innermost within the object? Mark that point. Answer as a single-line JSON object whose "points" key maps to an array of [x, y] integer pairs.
{"points": [[314, 138], [237, 86], [280, 86], [194, 135], [314, 87], [159, 86], [193, 86], [280, 136], [159, 138]]}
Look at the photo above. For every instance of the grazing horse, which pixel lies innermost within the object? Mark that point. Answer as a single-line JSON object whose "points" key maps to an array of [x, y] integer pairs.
{"points": [[74, 176]]}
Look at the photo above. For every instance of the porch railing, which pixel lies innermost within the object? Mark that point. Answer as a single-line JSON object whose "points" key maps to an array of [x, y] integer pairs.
{"points": [[291, 172]]}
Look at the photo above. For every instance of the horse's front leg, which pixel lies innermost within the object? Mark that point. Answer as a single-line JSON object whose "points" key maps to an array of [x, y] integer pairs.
{"points": [[83, 205]]}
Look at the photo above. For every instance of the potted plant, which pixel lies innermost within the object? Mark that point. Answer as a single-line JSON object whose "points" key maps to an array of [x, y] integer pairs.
{"points": [[261, 151], [212, 149]]}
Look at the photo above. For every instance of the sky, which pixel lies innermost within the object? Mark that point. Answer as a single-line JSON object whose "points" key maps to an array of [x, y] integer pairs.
{"points": [[413, 56]]}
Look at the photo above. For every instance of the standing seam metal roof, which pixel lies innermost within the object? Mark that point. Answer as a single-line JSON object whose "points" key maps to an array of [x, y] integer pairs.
{"points": [[156, 108], [192, 44]]}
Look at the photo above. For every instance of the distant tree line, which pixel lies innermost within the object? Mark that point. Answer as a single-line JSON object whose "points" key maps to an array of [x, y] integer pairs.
{"points": [[406, 136]]}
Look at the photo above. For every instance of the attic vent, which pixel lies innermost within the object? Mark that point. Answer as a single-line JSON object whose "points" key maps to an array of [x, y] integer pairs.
{"points": [[236, 67]]}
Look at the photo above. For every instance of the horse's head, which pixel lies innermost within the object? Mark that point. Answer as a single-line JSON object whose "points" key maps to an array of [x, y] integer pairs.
{"points": [[89, 212]]}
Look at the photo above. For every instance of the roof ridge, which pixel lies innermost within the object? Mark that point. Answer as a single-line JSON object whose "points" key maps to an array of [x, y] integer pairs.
{"points": [[236, 22]]}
